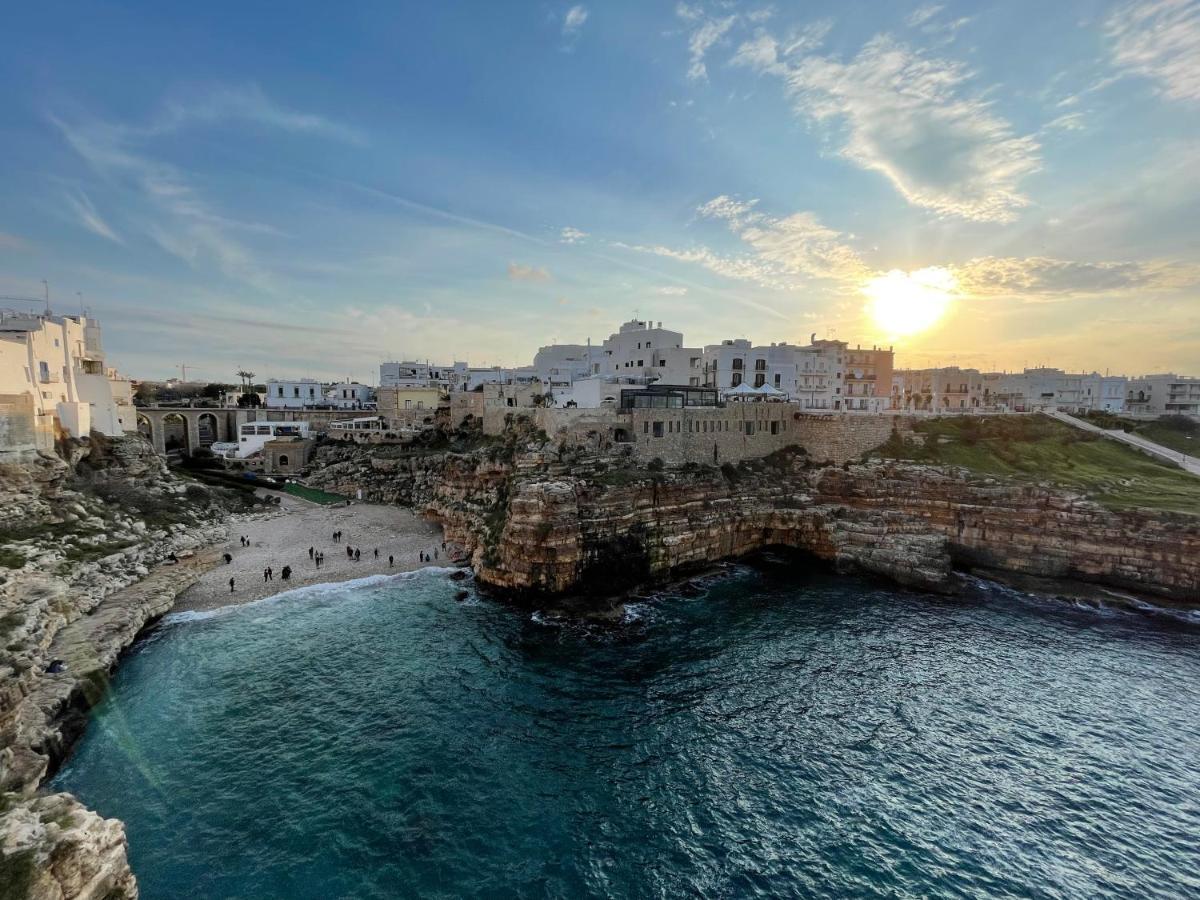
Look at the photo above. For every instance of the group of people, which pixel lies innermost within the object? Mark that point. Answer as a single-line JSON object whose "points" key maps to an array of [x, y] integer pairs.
{"points": [[318, 558]]}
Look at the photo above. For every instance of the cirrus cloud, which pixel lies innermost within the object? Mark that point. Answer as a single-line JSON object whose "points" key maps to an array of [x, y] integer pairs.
{"points": [[1159, 40]]}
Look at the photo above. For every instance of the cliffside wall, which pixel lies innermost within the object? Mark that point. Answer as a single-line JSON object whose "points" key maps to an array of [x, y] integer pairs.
{"points": [[96, 541], [535, 523]]}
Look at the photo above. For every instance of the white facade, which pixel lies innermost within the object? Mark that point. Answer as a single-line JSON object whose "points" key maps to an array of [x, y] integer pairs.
{"points": [[411, 373], [596, 391], [58, 361], [811, 375], [1045, 388], [349, 395], [1164, 395], [561, 364], [253, 435], [297, 394]]}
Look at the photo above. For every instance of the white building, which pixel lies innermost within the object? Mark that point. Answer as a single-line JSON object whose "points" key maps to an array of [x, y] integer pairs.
{"points": [[57, 363], [561, 364], [411, 373], [1164, 395], [812, 375], [596, 391], [639, 348], [349, 395], [297, 394], [1046, 388], [253, 435]]}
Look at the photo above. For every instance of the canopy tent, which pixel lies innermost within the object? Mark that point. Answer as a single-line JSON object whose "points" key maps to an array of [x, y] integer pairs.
{"points": [[744, 392]]}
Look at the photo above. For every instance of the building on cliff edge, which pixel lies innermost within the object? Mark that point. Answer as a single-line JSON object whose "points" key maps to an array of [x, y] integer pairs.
{"points": [[53, 380]]}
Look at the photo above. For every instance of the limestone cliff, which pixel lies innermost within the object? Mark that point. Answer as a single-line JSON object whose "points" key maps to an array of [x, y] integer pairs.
{"points": [[535, 523], [95, 542]]}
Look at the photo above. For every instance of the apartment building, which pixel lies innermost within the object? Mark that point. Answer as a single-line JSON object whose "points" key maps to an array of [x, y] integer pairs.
{"points": [[53, 376], [1164, 395]]}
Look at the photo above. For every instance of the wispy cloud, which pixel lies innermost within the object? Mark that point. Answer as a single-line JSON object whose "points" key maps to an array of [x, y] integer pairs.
{"points": [[1159, 40], [1042, 278], [571, 235], [574, 19], [246, 103], [791, 245], [923, 14], [169, 208], [671, 291], [705, 31], [10, 241], [521, 272], [87, 215], [911, 118]]}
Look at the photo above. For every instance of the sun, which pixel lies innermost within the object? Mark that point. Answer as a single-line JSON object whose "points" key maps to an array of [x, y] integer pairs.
{"points": [[907, 303]]}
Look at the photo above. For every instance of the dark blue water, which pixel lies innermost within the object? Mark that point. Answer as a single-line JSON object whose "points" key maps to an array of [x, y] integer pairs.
{"points": [[782, 735]]}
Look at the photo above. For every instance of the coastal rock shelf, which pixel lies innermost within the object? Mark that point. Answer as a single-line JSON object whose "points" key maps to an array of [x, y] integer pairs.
{"points": [[536, 524]]}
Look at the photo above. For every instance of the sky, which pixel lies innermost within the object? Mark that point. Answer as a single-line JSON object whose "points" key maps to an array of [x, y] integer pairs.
{"points": [[309, 189]]}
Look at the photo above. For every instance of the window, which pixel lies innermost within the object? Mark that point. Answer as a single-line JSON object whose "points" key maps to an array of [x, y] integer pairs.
{"points": [[658, 429], [44, 371], [759, 380], [749, 428], [737, 365], [640, 363], [774, 428], [736, 380], [760, 365], [645, 428], [283, 460], [777, 380], [295, 392]]}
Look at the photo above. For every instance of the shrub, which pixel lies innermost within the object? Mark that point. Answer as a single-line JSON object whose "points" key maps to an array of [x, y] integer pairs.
{"points": [[656, 464]]}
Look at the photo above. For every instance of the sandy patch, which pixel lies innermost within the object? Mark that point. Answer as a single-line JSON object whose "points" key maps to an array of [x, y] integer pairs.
{"points": [[283, 538]]}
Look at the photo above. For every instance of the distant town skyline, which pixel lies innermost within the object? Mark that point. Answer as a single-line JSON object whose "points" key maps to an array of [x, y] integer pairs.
{"points": [[311, 195]]}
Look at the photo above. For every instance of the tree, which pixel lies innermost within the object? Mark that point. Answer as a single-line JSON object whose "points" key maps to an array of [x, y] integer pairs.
{"points": [[213, 391], [249, 401]]}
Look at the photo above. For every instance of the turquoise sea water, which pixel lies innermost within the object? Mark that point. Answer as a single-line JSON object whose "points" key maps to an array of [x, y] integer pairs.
{"points": [[783, 734]]}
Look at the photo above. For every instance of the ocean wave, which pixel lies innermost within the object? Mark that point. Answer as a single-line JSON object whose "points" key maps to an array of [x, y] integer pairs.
{"points": [[323, 588]]}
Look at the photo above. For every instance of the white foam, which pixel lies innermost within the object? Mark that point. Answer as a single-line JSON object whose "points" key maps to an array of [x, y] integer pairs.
{"points": [[309, 590]]}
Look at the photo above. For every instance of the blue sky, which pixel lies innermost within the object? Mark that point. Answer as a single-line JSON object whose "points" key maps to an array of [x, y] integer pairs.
{"points": [[313, 189]]}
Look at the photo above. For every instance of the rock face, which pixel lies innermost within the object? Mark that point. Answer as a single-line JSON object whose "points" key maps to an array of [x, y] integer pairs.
{"points": [[52, 848], [534, 524], [95, 543]]}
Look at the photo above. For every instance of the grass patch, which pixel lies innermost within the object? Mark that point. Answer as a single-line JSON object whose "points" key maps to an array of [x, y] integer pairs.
{"points": [[316, 496], [11, 559], [1037, 448], [1178, 433]]}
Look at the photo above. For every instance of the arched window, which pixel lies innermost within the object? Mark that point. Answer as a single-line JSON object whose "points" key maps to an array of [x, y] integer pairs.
{"points": [[283, 460], [737, 365]]}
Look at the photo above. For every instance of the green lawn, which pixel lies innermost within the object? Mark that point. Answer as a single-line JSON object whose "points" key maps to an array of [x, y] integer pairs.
{"points": [[1036, 448], [1174, 432], [316, 496]]}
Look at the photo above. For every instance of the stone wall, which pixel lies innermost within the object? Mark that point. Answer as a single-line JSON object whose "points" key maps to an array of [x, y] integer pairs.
{"points": [[711, 435], [20, 429], [840, 438]]}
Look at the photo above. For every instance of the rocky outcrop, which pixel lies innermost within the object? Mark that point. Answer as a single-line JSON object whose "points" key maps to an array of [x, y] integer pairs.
{"points": [[52, 848], [95, 543], [535, 524]]}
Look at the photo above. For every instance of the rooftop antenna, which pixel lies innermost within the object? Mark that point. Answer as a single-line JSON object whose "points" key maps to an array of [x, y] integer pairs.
{"points": [[46, 285]]}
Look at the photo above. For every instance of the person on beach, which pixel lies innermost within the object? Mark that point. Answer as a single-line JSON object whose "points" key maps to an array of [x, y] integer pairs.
{"points": [[377, 553], [310, 552], [391, 561], [286, 573], [421, 554], [435, 553], [228, 558], [231, 585], [266, 575], [349, 551], [358, 554]]}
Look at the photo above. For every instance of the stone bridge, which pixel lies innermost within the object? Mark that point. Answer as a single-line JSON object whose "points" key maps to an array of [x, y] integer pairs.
{"points": [[185, 429]]}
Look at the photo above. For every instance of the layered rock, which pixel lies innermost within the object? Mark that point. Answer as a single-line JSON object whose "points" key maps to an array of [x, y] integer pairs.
{"points": [[535, 524], [53, 848]]}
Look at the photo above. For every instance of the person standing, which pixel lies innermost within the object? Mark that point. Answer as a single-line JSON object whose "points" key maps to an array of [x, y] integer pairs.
{"points": [[377, 553], [391, 560], [310, 552], [358, 554], [266, 574], [231, 585]]}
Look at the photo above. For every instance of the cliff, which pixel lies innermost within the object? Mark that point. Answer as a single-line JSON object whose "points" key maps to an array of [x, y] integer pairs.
{"points": [[536, 524], [95, 542]]}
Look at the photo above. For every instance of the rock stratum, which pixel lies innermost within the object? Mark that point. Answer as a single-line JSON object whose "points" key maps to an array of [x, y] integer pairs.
{"points": [[536, 525]]}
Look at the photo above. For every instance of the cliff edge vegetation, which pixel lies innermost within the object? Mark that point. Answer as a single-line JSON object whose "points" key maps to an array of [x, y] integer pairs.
{"points": [[1039, 449]]}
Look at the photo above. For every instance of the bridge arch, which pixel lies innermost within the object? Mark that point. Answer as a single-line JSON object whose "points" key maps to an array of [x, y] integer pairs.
{"points": [[207, 431], [176, 438]]}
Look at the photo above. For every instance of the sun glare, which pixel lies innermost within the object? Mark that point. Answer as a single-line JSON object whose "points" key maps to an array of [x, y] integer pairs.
{"points": [[905, 303]]}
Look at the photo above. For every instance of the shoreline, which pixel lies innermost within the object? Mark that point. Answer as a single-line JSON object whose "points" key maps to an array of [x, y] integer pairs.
{"points": [[283, 538]]}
